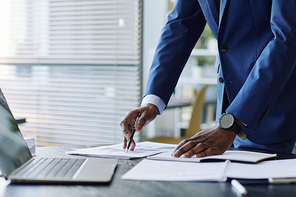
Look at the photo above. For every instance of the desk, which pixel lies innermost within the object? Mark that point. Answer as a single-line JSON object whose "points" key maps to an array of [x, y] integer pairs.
{"points": [[20, 120], [179, 102], [126, 188]]}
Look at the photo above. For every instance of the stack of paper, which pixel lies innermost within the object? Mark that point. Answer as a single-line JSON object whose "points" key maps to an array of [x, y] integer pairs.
{"points": [[243, 165], [164, 167], [143, 149]]}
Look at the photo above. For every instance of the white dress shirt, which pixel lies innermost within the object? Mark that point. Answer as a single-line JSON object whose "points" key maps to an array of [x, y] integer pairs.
{"points": [[155, 100]]}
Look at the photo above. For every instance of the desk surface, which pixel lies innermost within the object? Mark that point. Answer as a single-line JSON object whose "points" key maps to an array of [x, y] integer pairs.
{"points": [[120, 187], [20, 120], [179, 102]]}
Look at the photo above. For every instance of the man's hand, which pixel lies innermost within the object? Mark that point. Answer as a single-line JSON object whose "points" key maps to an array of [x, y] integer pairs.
{"points": [[211, 141], [148, 113]]}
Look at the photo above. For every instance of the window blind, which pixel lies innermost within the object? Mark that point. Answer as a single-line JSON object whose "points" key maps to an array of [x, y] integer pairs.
{"points": [[72, 68]]}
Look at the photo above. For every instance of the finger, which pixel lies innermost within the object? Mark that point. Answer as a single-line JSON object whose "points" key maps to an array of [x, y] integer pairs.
{"points": [[148, 114], [185, 148], [124, 141], [128, 123], [126, 129], [182, 143], [140, 123], [210, 151], [197, 150], [133, 145]]}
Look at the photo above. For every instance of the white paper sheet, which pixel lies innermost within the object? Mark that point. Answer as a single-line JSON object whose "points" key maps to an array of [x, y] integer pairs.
{"points": [[155, 170], [142, 149], [3, 185], [285, 168], [152, 170]]}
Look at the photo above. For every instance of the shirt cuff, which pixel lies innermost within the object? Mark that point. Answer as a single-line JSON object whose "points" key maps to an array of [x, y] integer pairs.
{"points": [[155, 100]]}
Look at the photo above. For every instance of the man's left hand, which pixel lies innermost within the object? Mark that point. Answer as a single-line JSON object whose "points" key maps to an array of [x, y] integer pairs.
{"points": [[211, 141]]}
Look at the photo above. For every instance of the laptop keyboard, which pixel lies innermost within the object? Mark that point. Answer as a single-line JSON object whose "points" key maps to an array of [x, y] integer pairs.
{"points": [[50, 168]]}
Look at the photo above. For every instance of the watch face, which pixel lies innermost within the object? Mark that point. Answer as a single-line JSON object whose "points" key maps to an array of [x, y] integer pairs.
{"points": [[226, 121]]}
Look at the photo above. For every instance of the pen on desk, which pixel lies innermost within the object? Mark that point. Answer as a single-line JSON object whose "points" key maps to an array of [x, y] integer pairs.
{"points": [[133, 133], [239, 187], [282, 180]]}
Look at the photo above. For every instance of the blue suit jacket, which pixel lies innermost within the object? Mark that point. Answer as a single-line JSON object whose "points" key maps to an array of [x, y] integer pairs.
{"points": [[256, 59]]}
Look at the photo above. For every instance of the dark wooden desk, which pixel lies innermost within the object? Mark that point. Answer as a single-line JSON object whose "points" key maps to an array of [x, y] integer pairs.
{"points": [[126, 188]]}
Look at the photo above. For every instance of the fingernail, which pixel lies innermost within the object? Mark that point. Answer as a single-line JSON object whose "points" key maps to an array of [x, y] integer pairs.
{"points": [[139, 127]]}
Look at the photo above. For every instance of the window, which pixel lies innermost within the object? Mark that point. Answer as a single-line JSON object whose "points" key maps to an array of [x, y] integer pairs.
{"points": [[71, 67]]}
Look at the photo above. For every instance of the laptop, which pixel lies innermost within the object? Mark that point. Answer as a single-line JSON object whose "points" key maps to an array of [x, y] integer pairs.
{"points": [[19, 166]]}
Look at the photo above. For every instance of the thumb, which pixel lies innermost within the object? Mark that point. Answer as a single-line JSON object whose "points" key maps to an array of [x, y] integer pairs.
{"points": [[148, 114], [140, 123]]}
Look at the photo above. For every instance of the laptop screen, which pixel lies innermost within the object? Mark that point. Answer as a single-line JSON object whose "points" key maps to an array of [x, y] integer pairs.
{"points": [[13, 149]]}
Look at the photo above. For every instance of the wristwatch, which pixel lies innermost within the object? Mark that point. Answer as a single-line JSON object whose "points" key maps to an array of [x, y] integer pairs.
{"points": [[227, 122]]}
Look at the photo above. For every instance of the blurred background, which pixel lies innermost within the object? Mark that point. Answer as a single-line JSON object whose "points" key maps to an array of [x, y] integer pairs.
{"points": [[74, 68]]}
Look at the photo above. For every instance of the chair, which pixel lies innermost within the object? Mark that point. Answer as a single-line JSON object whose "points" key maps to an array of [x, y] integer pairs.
{"points": [[194, 123]]}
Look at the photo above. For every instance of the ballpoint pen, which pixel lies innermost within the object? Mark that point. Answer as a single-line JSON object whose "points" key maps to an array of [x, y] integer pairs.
{"points": [[133, 133]]}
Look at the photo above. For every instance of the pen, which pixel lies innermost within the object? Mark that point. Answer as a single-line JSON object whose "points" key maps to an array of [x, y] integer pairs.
{"points": [[239, 187], [282, 180], [133, 133]]}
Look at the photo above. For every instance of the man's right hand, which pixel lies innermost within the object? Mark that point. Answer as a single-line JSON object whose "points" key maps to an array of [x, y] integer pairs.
{"points": [[148, 113]]}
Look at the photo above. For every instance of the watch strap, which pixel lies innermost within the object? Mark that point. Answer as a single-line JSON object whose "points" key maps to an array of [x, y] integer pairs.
{"points": [[238, 130], [235, 128]]}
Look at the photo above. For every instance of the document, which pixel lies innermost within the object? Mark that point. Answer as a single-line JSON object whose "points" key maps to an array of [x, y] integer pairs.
{"points": [[155, 170], [142, 149], [233, 155], [284, 168], [152, 170]]}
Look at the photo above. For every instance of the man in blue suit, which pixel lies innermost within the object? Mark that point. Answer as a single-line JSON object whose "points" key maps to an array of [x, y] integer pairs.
{"points": [[256, 103]]}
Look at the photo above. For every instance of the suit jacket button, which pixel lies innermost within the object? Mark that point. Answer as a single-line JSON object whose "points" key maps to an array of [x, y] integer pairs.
{"points": [[223, 48], [221, 80]]}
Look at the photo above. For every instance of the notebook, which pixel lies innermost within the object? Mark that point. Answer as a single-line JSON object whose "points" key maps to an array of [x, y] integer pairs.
{"points": [[233, 155], [18, 165]]}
